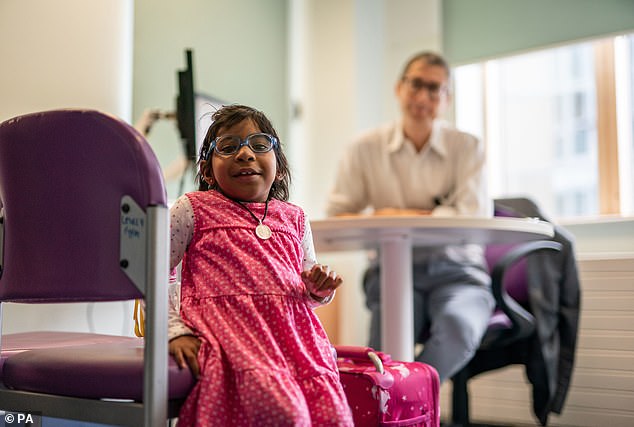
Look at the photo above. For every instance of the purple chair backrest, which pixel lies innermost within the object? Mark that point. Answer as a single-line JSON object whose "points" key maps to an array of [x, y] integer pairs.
{"points": [[515, 278], [62, 176]]}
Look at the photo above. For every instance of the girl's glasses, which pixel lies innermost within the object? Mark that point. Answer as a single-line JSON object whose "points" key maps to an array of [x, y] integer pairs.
{"points": [[228, 145]]}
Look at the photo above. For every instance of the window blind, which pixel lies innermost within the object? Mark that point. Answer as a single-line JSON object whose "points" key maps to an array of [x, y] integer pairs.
{"points": [[475, 30]]}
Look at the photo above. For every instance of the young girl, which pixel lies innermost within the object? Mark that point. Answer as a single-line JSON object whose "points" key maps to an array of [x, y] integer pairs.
{"points": [[249, 283]]}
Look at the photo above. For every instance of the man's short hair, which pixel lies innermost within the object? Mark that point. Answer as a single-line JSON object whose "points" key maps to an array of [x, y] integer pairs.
{"points": [[430, 58]]}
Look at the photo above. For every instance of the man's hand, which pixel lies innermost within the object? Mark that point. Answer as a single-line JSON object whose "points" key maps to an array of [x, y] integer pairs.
{"points": [[386, 212], [350, 215], [401, 212], [321, 281], [184, 349]]}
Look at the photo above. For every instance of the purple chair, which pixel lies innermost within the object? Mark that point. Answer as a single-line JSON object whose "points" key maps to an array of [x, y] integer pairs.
{"points": [[512, 325], [84, 218]]}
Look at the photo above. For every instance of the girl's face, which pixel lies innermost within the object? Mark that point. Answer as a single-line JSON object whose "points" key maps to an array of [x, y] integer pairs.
{"points": [[245, 175]]}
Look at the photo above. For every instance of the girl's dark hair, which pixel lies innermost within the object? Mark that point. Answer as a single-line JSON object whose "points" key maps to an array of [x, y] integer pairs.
{"points": [[228, 116]]}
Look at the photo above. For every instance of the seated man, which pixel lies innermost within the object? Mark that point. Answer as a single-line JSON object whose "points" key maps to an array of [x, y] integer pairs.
{"points": [[421, 165]]}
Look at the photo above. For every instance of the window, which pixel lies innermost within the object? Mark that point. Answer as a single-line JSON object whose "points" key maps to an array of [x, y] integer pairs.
{"points": [[558, 124], [624, 72]]}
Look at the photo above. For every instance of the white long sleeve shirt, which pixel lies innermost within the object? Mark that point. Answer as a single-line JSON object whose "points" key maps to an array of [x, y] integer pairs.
{"points": [[382, 169]]}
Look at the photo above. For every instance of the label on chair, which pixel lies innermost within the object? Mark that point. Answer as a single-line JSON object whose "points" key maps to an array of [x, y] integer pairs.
{"points": [[133, 242]]}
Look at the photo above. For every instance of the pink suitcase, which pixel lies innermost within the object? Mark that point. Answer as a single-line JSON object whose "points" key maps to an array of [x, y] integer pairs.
{"points": [[382, 392]]}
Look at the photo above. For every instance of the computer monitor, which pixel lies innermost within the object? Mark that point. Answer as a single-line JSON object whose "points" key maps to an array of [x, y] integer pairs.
{"points": [[193, 111], [185, 112]]}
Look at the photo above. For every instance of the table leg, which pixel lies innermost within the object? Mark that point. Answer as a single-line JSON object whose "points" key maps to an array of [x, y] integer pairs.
{"points": [[397, 317]]}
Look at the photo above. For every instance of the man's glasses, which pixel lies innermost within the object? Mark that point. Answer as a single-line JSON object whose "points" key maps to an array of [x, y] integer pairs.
{"points": [[415, 85], [228, 145]]}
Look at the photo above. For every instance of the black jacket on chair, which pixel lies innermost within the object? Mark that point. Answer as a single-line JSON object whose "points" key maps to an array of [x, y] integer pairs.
{"points": [[555, 295]]}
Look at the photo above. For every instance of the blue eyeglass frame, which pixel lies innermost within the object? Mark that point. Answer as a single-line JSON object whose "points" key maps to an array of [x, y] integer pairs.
{"points": [[243, 142]]}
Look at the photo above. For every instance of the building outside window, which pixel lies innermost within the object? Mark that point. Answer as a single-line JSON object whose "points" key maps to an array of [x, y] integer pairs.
{"points": [[546, 118]]}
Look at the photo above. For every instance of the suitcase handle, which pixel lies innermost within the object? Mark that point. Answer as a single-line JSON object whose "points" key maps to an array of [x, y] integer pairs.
{"points": [[364, 354]]}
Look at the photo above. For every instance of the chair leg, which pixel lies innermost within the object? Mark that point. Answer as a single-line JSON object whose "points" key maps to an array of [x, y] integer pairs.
{"points": [[460, 400]]}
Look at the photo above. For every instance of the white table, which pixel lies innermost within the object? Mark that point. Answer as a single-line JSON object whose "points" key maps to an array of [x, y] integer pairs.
{"points": [[395, 236]]}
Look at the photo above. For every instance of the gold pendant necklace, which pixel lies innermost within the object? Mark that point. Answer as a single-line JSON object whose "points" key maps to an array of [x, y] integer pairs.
{"points": [[261, 230]]}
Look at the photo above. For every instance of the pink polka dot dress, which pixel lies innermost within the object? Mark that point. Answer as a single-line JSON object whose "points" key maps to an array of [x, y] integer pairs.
{"points": [[265, 358]]}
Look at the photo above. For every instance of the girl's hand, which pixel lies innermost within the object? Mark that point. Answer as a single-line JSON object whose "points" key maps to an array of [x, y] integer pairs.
{"points": [[321, 281], [184, 349]]}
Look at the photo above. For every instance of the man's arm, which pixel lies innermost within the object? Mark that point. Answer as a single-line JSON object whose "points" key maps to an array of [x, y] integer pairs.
{"points": [[470, 194]]}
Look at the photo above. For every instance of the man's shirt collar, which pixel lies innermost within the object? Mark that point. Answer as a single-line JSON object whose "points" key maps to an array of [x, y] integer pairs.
{"points": [[435, 142]]}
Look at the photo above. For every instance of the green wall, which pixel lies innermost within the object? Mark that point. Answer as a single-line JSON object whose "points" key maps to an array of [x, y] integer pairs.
{"points": [[239, 53], [480, 29]]}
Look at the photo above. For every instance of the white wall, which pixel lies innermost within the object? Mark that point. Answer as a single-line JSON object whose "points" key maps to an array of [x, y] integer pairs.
{"points": [[66, 53], [351, 55], [614, 235], [348, 55]]}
